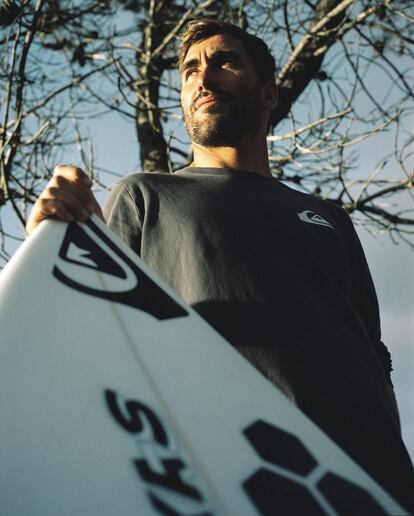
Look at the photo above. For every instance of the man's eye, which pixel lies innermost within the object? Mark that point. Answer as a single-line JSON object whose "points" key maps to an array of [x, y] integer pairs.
{"points": [[225, 61], [190, 72]]}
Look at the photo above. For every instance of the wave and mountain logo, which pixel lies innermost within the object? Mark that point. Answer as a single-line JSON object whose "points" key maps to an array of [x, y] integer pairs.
{"points": [[89, 261], [313, 218]]}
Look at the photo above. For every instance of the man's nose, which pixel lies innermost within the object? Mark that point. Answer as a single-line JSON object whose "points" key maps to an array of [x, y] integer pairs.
{"points": [[206, 78]]}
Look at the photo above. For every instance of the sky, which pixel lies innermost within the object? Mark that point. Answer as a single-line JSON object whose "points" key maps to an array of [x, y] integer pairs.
{"points": [[391, 269]]}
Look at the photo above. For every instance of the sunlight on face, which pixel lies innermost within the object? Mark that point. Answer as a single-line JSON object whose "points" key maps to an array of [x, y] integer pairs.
{"points": [[221, 92]]}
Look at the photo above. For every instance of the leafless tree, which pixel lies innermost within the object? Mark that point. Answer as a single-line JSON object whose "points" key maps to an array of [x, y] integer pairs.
{"points": [[345, 74]]}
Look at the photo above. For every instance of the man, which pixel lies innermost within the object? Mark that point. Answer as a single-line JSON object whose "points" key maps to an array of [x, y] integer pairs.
{"points": [[279, 273]]}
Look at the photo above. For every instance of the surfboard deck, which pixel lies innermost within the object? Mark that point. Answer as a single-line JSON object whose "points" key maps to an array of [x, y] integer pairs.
{"points": [[118, 398]]}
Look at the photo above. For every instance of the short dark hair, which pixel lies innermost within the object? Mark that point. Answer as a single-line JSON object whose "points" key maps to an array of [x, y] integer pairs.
{"points": [[203, 28]]}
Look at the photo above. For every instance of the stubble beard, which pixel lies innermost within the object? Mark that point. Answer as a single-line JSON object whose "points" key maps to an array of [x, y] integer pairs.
{"points": [[225, 126]]}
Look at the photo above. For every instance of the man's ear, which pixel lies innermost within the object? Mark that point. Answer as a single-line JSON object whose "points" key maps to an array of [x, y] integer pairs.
{"points": [[271, 95]]}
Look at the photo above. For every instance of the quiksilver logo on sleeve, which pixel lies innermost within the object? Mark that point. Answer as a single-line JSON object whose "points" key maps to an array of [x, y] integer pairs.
{"points": [[313, 218]]}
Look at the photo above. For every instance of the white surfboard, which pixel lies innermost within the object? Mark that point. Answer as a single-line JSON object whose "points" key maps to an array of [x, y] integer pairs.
{"points": [[116, 398]]}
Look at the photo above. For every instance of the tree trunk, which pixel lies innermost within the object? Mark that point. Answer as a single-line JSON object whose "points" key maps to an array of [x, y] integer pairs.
{"points": [[153, 147]]}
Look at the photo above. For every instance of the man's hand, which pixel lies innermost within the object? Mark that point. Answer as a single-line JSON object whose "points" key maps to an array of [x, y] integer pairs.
{"points": [[67, 197]]}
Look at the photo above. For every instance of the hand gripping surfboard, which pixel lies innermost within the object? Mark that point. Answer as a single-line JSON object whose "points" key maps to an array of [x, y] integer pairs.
{"points": [[118, 398]]}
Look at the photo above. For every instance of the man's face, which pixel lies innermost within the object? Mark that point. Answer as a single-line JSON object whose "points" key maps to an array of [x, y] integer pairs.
{"points": [[221, 94]]}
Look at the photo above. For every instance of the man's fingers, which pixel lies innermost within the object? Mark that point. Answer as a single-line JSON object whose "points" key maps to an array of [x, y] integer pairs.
{"points": [[75, 202], [54, 208], [67, 196], [45, 208], [72, 174], [95, 208], [62, 184]]}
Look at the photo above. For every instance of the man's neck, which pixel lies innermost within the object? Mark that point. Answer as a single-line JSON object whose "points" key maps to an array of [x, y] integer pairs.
{"points": [[249, 156]]}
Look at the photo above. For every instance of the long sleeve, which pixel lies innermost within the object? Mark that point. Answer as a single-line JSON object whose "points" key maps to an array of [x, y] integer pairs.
{"points": [[364, 298], [123, 216]]}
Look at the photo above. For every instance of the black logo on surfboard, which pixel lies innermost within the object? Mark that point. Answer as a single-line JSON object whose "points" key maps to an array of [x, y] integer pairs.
{"points": [[171, 486], [291, 481], [92, 263]]}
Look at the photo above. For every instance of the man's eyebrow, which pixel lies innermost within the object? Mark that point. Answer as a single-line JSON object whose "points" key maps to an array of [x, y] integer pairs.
{"points": [[225, 54], [189, 64], [216, 55]]}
